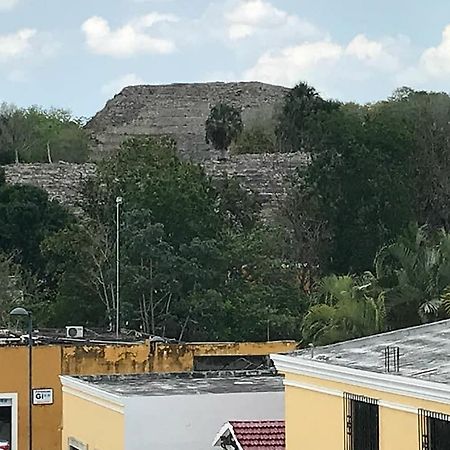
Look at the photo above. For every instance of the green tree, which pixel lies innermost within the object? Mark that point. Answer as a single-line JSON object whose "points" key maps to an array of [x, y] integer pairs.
{"points": [[361, 178], [415, 273], [27, 217], [346, 308], [428, 117], [300, 107], [11, 287], [255, 139], [191, 250], [261, 297], [38, 135], [80, 267], [223, 126], [16, 134]]}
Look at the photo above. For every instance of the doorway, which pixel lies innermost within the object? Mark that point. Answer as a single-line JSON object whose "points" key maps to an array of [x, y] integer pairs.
{"points": [[6, 421]]}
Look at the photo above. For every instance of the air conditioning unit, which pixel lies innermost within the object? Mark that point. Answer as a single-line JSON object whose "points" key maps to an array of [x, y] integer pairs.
{"points": [[74, 332]]}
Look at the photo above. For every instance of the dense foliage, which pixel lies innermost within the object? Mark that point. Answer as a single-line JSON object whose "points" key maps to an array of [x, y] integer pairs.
{"points": [[195, 261], [374, 171], [223, 126], [39, 135], [362, 243]]}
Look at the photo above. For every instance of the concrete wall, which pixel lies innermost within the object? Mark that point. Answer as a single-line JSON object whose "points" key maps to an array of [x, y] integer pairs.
{"points": [[320, 407], [180, 358], [191, 422]]}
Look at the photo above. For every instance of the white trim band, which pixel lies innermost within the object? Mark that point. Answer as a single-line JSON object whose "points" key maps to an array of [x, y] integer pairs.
{"points": [[93, 394], [394, 384], [340, 394]]}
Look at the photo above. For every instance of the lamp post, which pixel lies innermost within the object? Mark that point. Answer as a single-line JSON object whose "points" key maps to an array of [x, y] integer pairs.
{"points": [[119, 201], [22, 312]]}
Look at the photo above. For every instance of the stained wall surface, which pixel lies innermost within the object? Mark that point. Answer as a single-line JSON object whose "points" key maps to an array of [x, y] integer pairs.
{"points": [[51, 361]]}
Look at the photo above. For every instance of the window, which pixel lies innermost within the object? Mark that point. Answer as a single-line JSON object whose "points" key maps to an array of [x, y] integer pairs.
{"points": [[434, 430], [361, 423], [75, 444]]}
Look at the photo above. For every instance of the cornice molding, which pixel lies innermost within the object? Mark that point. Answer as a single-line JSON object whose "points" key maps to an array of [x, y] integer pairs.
{"points": [[93, 394], [383, 382], [340, 394]]}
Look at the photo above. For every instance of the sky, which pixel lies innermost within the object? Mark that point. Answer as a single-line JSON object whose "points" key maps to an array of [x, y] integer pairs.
{"points": [[76, 54]]}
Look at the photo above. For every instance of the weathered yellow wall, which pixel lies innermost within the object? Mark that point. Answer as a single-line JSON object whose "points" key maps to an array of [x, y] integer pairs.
{"points": [[98, 427], [180, 357], [52, 361], [158, 357], [14, 379], [105, 359], [315, 421]]}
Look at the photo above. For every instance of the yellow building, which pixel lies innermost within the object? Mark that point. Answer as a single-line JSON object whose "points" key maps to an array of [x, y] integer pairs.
{"points": [[385, 392], [165, 411], [83, 358]]}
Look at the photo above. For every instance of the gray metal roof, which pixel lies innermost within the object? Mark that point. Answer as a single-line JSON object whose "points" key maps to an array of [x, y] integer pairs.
{"points": [[424, 352], [151, 384]]}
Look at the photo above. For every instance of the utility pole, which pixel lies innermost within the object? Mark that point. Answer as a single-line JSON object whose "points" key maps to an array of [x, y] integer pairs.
{"points": [[22, 312], [119, 201]]}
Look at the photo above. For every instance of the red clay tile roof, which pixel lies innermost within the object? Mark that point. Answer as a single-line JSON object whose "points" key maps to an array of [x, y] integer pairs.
{"points": [[260, 435]]}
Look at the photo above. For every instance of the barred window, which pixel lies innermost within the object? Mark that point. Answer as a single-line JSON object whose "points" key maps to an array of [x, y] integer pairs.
{"points": [[434, 430], [361, 423]]}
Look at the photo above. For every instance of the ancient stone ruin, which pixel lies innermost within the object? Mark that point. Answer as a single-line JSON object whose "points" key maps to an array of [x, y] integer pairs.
{"points": [[179, 111]]}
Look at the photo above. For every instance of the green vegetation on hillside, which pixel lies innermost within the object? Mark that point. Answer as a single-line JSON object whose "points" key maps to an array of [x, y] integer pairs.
{"points": [[38, 135], [362, 243]]}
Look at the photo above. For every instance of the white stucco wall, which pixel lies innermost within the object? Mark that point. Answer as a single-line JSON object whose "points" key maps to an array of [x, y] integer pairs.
{"points": [[190, 422]]}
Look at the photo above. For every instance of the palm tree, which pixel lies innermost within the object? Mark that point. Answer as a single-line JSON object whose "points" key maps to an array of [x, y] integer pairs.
{"points": [[415, 271], [348, 308], [223, 126]]}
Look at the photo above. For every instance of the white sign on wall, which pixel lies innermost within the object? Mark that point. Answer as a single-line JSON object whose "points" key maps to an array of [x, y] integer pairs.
{"points": [[42, 396]]}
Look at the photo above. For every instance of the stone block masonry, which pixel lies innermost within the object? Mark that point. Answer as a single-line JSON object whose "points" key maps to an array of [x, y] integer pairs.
{"points": [[264, 175], [179, 111], [61, 181]]}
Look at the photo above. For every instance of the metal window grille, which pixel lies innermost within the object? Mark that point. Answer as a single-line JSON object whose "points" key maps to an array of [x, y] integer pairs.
{"points": [[392, 359], [361, 423], [434, 430]]}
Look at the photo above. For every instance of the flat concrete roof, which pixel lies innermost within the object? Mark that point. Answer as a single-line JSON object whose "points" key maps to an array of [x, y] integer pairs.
{"points": [[424, 352], [152, 384]]}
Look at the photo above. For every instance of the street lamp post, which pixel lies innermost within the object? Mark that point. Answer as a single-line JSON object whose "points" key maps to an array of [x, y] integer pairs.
{"points": [[119, 201], [22, 312]]}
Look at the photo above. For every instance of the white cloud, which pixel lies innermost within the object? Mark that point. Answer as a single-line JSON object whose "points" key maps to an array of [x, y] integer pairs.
{"points": [[115, 86], [373, 53], [320, 60], [292, 64], [22, 49], [16, 44], [8, 4], [249, 17], [435, 61], [131, 39]]}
